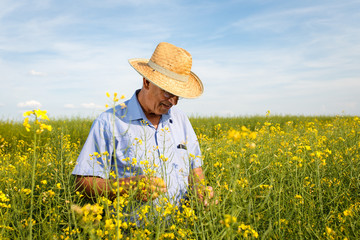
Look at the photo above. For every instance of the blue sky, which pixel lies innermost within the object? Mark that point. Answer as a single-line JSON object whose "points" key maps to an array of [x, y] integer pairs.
{"points": [[289, 57]]}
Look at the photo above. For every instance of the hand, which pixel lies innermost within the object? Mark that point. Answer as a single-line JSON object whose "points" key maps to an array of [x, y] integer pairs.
{"points": [[205, 195], [150, 188]]}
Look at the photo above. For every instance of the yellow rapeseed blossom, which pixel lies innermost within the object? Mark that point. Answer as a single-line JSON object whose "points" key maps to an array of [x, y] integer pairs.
{"points": [[277, 163], [3, 200], [243, 182], [330, 233], [228, 219], [299, 198], [40, 116], [26, 191], [26, 124], [247, 231], [163, 158]]}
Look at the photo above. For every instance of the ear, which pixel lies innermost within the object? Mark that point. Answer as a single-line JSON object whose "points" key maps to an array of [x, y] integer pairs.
{"points": [[146, 83]]}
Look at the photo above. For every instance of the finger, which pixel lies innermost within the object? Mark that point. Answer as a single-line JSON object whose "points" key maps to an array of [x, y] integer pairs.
{"points": [[164, 189], [210, 191], [158, 182], [154, 195], [158, 189], [152, 188], [142, 197]]}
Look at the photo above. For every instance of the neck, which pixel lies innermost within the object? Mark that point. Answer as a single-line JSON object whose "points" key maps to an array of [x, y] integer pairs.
{"points": [[152, 117]]}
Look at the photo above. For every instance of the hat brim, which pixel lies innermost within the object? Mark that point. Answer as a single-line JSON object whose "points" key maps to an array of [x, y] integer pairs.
{"points": [[192, 88]]}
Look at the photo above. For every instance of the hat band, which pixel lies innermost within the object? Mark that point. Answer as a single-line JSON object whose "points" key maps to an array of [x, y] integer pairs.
{"points": [[167, 72]]}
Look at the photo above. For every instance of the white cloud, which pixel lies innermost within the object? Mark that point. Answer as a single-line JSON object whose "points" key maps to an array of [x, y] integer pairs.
{"points": [[35, 73], [31, 103], [1, 104], [69, 105], [91, 105]]}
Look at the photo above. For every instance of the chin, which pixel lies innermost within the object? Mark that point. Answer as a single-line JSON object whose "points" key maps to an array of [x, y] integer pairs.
{"points": [[165, 111]]}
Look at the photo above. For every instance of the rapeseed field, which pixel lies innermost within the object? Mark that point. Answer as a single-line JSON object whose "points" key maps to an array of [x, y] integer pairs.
{"points": [[274, 177]]}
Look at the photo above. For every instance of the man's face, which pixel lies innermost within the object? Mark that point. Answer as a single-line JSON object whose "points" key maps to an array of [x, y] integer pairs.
{"points": [[159, 101]]}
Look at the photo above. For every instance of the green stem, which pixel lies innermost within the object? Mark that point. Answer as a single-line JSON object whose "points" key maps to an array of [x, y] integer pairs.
{"points": [[116, 169], [32, 188]]}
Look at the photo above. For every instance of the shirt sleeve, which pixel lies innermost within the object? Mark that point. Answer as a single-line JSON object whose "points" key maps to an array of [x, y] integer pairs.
{"points": [[94, 158]]}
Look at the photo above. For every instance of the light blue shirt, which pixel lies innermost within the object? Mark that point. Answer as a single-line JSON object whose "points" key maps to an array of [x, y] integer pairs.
{"points": [[124, 139]]}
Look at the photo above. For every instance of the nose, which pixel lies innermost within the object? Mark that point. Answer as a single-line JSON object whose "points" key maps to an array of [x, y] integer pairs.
{"points": [[174, 100]]}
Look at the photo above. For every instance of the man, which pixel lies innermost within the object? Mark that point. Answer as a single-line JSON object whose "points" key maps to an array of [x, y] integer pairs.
{"points": [[147, 141]]}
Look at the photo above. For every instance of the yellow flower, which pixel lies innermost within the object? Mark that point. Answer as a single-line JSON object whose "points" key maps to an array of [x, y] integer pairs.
{"points": [[27, 113], [41, 114], [115, 97], [217, 164], [26, 191], [348, 212], [123, 105], [300, 198], [51, 193], [246, 230], [3, 197], [109, 224], [228, 219], [45, 126], [26, 124], [329, 231], [163, 158], [243, 182]]}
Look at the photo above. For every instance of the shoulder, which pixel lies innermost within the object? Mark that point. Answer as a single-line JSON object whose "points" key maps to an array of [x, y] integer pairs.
{"points": [[112, 113], [177, 112], [104, 119], [179, 117]]}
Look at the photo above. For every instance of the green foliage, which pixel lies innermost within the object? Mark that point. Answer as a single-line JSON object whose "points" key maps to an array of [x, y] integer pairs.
{"points": [[275, 177]]}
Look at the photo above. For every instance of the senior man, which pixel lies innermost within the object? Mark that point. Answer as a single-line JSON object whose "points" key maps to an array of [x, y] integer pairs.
{"points": [[148, 139]]}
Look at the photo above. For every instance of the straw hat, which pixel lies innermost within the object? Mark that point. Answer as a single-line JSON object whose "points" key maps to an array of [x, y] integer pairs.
{"points": [[169, 68]]}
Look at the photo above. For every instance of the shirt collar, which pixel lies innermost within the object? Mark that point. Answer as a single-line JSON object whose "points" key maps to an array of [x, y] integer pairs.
{"points": [[135, 112]]}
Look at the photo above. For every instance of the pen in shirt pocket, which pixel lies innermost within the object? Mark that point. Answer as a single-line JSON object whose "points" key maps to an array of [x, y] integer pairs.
{"points": [[181, 146]]}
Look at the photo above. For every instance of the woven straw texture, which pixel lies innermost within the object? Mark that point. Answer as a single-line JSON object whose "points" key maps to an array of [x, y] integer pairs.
{"points": [[171, 72]]}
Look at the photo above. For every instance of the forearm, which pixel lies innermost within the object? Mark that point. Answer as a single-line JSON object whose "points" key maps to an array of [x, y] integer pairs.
{"points": [[145, 188], [96, 186]]}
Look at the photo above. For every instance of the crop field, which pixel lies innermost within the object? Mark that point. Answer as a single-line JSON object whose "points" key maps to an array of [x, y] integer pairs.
{"points": [[275, 177]]}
